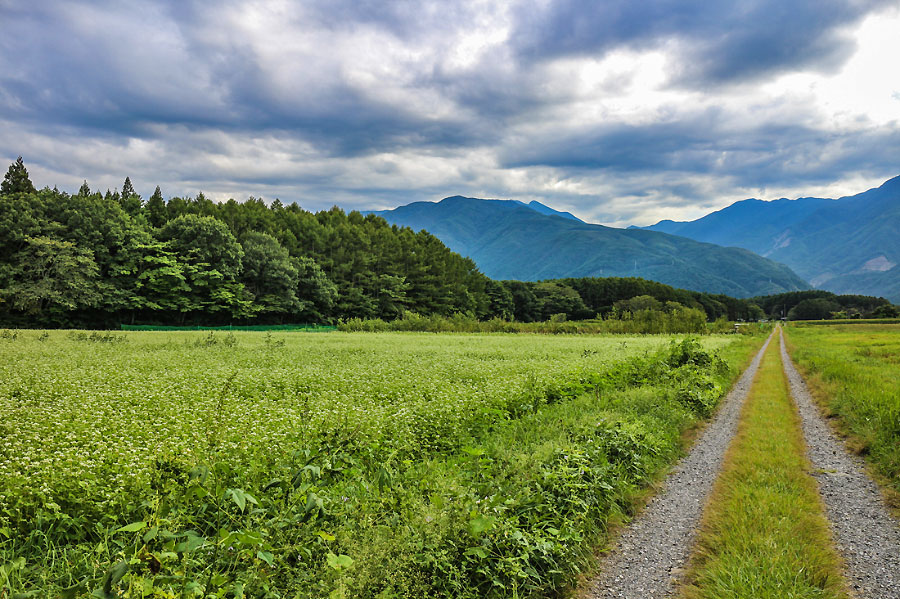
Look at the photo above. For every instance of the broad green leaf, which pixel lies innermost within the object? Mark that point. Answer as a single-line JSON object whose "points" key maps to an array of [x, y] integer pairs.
{"points": [[339, 562], [193, 542], [151, 534], [74, 591], [265, 556], [480, 524], [275, 483], [313, 502], [16, 564], [133, 527], [238, 497]]}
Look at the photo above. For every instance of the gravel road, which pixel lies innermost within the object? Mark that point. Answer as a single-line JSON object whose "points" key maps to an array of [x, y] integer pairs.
{"points": [[650, 553], [867, 536]]}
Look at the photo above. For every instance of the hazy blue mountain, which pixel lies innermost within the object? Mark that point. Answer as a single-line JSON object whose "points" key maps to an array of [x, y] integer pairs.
{"points": [[848, 245], [538, 207], [509, 240], [534, 205]]}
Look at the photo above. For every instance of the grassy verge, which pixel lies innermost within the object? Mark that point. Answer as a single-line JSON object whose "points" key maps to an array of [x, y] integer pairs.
{"points": [[852, 372], [764, 533]]}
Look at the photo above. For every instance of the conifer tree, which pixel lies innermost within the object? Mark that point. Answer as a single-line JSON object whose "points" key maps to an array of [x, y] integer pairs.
{"points": [[16, 179], [130, 200], [128, 188], [156, 209]]}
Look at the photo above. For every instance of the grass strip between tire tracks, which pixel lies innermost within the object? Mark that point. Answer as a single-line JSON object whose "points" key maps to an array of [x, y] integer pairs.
{"points": [[764, 533]]}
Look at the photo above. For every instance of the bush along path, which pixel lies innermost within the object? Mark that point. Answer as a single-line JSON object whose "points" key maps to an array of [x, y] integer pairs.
{"points": [[867, 536], [652, 550], [764, 533]]}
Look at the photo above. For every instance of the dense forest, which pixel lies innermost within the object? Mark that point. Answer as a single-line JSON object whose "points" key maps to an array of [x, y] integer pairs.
{"points": [[103, 259]]}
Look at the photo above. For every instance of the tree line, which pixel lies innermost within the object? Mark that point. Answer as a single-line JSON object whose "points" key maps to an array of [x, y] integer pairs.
{"points": [[93, 259], [817, 304]]}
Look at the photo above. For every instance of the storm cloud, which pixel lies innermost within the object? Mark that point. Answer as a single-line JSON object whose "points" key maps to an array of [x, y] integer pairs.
{"points": [[618, 111]]}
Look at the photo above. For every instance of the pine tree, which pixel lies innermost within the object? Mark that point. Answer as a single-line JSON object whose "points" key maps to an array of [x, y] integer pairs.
{"points": [[130, 200], [156, 209], [16, 179], [128, 188]]}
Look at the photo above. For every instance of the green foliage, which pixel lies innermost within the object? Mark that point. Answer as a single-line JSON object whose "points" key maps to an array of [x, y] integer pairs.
{"points": [[50, 276], [813, 309], [156, 209], [180, 261], [269, 275], [16, 180], [644, 322], [555, 298], [337, 465], [780, 305], [129, 199], [886, 311]]}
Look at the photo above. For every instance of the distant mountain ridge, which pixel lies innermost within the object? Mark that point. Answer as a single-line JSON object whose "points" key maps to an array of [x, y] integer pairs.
{"points": [[533, 205], [538, 207], [847, 245], [511, 240]]}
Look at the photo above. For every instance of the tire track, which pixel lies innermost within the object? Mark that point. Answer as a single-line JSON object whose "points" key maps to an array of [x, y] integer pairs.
{"points": [[866, 535], [650, 553]]}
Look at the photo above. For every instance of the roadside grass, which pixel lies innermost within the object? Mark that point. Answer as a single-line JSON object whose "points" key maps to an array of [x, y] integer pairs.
{"points": [[764, 533], [852, 371]]}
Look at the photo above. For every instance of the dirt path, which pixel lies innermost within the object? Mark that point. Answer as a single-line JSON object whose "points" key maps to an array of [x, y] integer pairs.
{"points": [[867, 536], [651, 552]]}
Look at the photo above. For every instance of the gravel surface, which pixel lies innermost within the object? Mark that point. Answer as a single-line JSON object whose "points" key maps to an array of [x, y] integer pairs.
{"points": [[863, 529], [651, 552]]}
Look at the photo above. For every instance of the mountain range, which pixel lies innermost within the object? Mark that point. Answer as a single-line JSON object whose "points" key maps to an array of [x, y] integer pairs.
{"points": [[847, 245], [508, 239]]}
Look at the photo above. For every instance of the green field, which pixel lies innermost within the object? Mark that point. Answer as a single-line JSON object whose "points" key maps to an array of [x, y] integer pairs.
{"points": [[854, 370], [169, 464]]}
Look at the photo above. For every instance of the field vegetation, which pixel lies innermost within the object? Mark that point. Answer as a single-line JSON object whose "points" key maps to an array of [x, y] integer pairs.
{"points": [[673, 318], [852, 369], [250, 464]]}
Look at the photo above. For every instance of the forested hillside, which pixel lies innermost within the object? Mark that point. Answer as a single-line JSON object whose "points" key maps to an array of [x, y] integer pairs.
{"points": [[511, 241], [849, 245]]}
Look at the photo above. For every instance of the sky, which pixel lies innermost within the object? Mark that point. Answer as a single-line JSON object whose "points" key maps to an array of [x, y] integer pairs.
{"points": [[621, 112]]}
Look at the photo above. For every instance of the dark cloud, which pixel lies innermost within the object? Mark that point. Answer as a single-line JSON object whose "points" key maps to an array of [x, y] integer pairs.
{"points": [[713, 142], [716, 41], [107, 73]]}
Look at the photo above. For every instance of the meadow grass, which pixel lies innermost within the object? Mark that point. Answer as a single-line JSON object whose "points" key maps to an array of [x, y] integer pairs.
{"points": [[340, 465], [854, 373], [764, 533]]}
